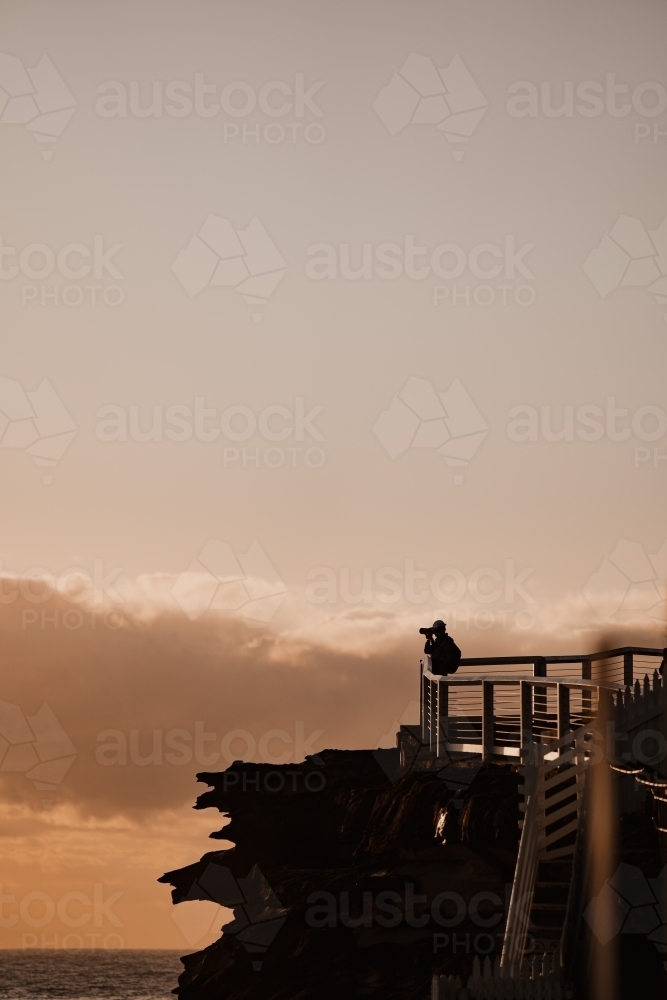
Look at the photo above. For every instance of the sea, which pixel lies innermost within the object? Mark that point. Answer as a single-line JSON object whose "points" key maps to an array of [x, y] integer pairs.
{"points": [[88, 975]]}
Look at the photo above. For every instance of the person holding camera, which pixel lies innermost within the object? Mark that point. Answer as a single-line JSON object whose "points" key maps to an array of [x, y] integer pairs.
{"points": [[445, 654]]}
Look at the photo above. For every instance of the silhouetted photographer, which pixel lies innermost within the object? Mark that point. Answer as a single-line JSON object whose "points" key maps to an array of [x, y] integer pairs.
{"points": [[445, 654]]}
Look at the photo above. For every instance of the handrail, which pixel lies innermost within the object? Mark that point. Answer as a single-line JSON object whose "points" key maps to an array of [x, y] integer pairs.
{"points": [[481, 661], [523, 886], [542, 703], [554, 769], [575, 897], [522, 678], [548, 786], [512, 711]]}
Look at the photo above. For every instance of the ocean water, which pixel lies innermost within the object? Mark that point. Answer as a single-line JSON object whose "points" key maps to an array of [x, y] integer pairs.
{"points": [[88, 975]]}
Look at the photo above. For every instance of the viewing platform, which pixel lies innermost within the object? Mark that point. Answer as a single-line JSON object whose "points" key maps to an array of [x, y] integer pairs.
{"points": [[500, 707]]}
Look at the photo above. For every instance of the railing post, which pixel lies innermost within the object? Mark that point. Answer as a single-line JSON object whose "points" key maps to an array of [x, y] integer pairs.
{"points": [[435, 715], [421, 698], [540, 666], [526, 720], [443, 712], [540, 703], [628, 669], [523, 885], [487, 719], [426, 709], [586, 700], [563, 699]]}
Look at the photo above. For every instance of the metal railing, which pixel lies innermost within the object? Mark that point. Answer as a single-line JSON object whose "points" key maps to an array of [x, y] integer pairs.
{"points": [[523, 886], [577, 891], [502, 713], [544, 722], [504, 716], [554, 781], [621, 666]]}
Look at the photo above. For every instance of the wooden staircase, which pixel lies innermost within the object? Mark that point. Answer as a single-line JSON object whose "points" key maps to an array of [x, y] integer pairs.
{"points": [[544, 879], [550, 900]]}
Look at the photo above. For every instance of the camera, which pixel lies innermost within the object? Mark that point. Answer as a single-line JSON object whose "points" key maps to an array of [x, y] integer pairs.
{"points": [[427, 631]]}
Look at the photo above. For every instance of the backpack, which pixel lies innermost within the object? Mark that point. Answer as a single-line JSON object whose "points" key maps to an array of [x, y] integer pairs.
{"points": [[446, 657]]}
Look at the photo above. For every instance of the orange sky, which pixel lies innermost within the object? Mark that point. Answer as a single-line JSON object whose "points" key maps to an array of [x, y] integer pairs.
{"points": [[237, 478]]}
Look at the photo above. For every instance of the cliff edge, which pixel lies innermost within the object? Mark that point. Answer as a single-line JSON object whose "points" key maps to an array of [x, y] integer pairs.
{"points": [[348, 878]]}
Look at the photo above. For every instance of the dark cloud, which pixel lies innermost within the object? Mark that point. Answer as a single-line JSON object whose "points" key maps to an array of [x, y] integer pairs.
{"points": [[213, 675]]}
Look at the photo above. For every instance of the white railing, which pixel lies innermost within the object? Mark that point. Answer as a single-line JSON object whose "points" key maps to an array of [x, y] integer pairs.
{"points": [[552, 810], [504, 716], [523, 886], [560, 789], [545, 723], [471, 711], [621, 666]]}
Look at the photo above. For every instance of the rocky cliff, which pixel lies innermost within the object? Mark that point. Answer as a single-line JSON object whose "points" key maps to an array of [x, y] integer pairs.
{"points": [[349, 878]]}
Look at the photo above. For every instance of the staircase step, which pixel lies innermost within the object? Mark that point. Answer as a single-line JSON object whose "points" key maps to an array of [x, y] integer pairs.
{"points": [[552, 894], [555, 871], [547, 921]]}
